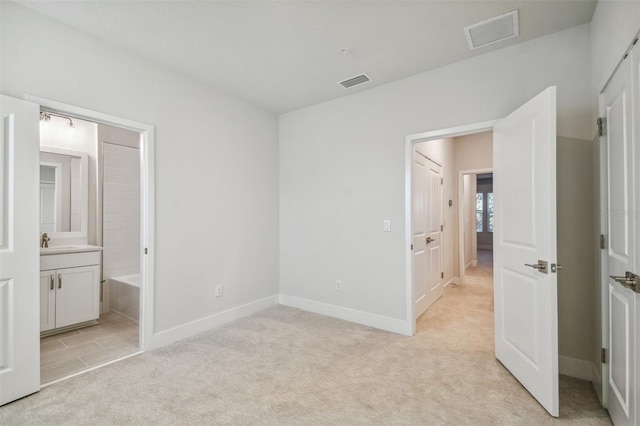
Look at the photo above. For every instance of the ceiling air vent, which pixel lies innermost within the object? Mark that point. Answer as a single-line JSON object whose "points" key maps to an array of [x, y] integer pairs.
{"points": [[354, 81], [493, 30]]}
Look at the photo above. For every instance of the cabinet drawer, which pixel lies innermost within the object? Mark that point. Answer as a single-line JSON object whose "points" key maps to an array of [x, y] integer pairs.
{"points": [[69, 260]]}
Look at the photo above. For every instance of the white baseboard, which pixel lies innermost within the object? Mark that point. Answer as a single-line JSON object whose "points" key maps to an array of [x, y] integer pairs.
{"points": [[393, 325], [454, 280], [576, 368], [207, 323]]}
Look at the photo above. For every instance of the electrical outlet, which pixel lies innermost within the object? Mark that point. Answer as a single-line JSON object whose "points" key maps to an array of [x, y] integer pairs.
{"points": [[338, 285], [218, 291]]}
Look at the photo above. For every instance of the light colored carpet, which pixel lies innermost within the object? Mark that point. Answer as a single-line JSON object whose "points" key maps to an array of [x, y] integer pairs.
{"points": [[284, 366]]}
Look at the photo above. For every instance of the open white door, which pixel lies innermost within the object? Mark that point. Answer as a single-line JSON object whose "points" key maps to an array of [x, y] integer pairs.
{"points": [[19, 255], [525, 281]]}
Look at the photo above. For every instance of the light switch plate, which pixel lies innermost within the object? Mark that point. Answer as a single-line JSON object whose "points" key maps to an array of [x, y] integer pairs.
{"points": [[387, 225]]}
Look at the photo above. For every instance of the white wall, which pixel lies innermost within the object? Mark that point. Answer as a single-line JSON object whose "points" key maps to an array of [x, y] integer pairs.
{"points": [[216, 160], [614, 25], [121, 211], [342, 163]]}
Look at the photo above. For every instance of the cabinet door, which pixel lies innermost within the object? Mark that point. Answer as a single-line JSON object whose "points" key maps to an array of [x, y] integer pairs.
{"points": [[77, 295], [47, 300]]}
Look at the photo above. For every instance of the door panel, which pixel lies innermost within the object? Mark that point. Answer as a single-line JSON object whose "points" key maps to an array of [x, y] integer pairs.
{"points": [[427, 246], [419, 218], [526, 317], [77, 298], [519, 313], [19, 256], [617, 107], [434, 268]]}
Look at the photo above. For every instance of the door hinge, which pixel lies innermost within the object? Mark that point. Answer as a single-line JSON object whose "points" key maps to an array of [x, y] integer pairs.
{"points": [[603, 355], [602, 243], [441, 181], [441, 274], [602, 126], [411, 246], [145, 251], [441, 228]]}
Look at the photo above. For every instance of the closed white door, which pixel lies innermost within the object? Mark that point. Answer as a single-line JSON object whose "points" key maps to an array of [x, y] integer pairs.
{"points": [[620, 230], [427, 233], [19, 255], [526, 316]]}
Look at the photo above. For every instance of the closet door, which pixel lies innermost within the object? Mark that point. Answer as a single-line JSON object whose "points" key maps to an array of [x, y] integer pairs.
{"points": [[618, 110]]}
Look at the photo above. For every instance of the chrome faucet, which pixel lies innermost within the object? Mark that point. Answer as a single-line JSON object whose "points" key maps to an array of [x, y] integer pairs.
{"points": [[44, 240]]}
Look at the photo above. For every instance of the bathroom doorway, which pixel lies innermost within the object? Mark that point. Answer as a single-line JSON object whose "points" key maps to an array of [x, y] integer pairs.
{"points": [[112, 213]]}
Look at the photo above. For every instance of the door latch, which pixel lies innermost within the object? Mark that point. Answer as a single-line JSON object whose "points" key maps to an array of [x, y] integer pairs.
{"points": [[629, 280], [541, 266], [555, 268]]}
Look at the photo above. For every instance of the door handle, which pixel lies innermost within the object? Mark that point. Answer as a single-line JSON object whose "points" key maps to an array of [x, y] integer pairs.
{"points": [[51, 279], [59, 280], [541, 266], [430, 240], [629, 280]]}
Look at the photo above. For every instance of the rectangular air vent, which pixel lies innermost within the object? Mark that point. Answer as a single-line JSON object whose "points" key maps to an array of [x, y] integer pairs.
{"points": [[354, 81], [493, 30]]}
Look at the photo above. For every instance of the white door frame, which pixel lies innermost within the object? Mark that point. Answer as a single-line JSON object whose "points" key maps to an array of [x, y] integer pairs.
{"points": [[147, 212], [461, 174], [409, 145]]}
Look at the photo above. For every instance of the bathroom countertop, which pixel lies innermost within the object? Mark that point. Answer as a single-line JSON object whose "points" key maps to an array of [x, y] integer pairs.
{"points": [[76, 248]]}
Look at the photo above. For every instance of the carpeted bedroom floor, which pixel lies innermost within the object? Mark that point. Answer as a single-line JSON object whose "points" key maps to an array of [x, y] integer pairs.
{"points": [[283, 366]]}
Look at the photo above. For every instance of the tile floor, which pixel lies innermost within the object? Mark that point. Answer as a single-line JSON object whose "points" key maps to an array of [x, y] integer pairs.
{"points": [[67, 353]]}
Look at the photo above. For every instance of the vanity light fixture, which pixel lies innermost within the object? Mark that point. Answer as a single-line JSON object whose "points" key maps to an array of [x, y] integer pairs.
{"points": [[46, 116]]}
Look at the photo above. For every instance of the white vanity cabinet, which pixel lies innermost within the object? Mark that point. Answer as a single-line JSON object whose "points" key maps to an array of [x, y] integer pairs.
{"points": [[69, 288]]}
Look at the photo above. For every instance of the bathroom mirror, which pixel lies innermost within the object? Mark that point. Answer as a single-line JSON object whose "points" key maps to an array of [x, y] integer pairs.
{"points": [[64, 185]]}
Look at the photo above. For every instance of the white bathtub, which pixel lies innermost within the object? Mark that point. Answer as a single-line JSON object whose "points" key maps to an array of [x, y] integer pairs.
{"points": [[125, 295]]}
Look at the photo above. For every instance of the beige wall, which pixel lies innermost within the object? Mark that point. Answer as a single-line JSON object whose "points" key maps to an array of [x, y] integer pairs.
{"points": [[474, 151], [575, 198]]}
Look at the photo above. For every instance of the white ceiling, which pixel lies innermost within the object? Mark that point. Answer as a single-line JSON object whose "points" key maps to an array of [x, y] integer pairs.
{"points": [[284, 55]]}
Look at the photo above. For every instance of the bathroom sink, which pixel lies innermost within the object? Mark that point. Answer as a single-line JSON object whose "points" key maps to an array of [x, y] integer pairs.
{"points": [[75, 248]]}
